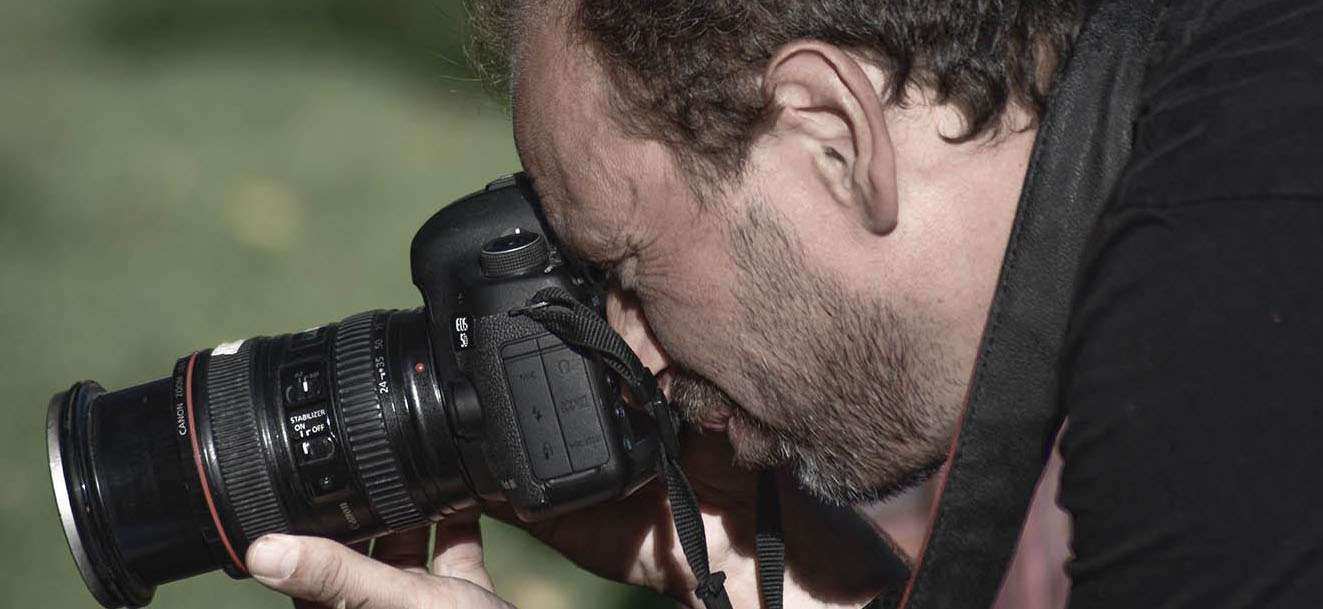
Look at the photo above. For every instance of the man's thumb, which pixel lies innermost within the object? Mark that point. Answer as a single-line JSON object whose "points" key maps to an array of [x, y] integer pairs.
{"points": [[325, 572]]}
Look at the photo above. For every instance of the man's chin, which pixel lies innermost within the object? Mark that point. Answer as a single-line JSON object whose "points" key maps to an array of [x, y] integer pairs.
{"points": [[836, 482], [833, 478], [755, 447]]}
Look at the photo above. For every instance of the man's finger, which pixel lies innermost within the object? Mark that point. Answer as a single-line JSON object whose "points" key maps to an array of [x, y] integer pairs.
{"points": [[360, 547], [406, 549], [325, 572], [459, 550]]}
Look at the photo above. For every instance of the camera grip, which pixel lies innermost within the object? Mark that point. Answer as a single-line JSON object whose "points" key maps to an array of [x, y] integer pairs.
{"points": [[551, 423]]}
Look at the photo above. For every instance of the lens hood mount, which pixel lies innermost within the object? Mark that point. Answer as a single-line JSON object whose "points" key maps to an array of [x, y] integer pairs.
{"points": [[105, 574]]}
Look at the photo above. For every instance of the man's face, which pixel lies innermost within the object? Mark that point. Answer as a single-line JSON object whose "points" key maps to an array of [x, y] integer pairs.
{"points": [[758, 310]]}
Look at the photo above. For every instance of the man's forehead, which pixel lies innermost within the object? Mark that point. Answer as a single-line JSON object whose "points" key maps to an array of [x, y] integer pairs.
{"points": [[549, 63], [567, 141], [605, 192], [543, 107]]}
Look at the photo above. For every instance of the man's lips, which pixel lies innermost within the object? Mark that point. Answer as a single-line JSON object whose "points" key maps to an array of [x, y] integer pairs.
{"points": [[715, 419], [751, 444]]}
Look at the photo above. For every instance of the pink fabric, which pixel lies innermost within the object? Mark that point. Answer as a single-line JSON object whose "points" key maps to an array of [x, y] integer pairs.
{"points": [[1037, 576]]}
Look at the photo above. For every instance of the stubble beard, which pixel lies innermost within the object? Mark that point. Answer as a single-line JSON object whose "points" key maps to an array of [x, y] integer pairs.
{"points": [[858, 400]]}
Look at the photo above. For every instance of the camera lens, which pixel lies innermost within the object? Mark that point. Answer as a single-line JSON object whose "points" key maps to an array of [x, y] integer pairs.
{"points": [[339, 431]]}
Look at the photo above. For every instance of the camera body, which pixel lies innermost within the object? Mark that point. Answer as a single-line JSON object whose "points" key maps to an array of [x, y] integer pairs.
{"points": [[381, 422], [547, 422]]}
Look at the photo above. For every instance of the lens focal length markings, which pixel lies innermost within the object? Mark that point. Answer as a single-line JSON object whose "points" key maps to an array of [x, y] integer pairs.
{"points": [[361, 384]]}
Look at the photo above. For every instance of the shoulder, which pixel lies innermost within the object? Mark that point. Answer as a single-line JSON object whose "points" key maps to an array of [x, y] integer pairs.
{"points": [[1230, 106], [1196, 356]]}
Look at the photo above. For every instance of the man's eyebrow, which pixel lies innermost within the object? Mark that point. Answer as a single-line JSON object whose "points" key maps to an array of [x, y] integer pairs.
{"points": [[561, 227], [582, 250], [576, 250]]}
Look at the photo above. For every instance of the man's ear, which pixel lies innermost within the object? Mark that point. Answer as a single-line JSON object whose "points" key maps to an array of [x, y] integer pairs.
{"points": [[822, 97]]}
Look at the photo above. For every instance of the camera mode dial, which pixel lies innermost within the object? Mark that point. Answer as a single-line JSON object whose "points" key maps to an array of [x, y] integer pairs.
{"points": [[517, 253]]}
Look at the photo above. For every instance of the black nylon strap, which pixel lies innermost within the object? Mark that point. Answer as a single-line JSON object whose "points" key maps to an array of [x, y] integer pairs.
{"points": [[1012, 412], [769, 545], [581, 326]]}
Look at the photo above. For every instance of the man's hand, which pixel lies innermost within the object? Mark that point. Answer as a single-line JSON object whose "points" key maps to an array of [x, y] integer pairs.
{"points": [[324, 573], [833, 556]]}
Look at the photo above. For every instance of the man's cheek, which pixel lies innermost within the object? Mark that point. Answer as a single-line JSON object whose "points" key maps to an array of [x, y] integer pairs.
{"points": [[688, 328]]}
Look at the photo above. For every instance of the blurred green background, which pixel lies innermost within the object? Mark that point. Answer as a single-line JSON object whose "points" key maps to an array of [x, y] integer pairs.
{"points": [[174, 174]]}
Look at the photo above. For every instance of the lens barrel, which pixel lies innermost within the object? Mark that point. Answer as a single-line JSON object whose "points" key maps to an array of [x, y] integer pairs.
{"points": [[340, 431]]}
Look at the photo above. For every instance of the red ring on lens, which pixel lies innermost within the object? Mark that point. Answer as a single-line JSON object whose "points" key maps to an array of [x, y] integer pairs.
{"points": [[197, 461]]}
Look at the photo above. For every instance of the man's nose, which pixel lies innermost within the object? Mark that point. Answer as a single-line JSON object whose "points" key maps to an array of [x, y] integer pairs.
{"points": [[625, 314]]}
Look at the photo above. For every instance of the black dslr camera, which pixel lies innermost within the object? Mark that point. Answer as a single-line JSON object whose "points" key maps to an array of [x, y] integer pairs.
{"points": [[384, 421]]}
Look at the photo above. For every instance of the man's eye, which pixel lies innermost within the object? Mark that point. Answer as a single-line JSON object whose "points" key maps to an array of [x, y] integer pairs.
{"points": [[602, 264], [596, 272], [584, 259], [612, 272]]}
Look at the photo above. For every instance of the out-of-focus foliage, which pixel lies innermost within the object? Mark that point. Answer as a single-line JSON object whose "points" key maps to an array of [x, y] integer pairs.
{"points": [[175, 173]]}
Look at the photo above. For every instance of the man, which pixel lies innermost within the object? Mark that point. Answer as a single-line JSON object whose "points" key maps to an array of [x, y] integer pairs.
{"points": [[804, 206]]}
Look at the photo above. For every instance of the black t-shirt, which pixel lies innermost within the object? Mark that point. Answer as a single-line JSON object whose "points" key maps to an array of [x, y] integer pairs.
{"points": [[1194, 373]]}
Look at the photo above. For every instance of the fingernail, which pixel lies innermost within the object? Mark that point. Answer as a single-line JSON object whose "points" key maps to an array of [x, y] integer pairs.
{"points": [[273, 557]]}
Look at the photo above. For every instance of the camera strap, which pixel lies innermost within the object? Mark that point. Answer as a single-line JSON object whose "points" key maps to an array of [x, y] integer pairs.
{"points": [[581, 326]]}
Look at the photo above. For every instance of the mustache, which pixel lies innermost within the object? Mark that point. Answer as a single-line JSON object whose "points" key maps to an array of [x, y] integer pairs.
{"points": [[702, 403], [699, 400]]}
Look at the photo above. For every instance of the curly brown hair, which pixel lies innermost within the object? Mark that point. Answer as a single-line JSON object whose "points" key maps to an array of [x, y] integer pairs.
{"points": [[685, 72]]}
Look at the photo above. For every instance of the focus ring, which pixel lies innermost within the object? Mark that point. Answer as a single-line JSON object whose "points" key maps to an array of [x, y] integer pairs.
{"points": [[245, 476], [365, 425]]}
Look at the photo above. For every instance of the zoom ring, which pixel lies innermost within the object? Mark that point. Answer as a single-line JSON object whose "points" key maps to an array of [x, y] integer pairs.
{"points": [[365, 425], [244, 473]]}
